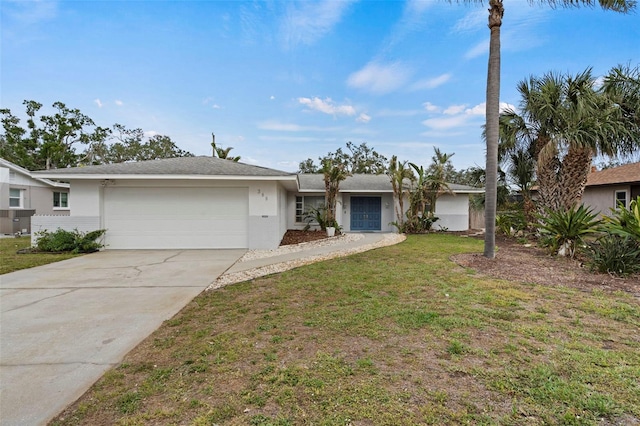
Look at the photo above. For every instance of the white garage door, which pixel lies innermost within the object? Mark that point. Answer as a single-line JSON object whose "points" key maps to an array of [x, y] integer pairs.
{"points": [[169, 218]]}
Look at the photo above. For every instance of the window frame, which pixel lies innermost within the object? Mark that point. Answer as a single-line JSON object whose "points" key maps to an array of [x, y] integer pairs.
{"points": [[625, 201], [303, 208], [20, 198], [60, 200]]}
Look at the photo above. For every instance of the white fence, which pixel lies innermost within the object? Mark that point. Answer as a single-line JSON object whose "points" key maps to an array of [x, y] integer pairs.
{"points": [[68, 223]]}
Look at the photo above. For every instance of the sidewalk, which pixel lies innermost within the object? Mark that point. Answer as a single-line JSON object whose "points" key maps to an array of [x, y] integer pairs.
{"points": [[265, 262]]}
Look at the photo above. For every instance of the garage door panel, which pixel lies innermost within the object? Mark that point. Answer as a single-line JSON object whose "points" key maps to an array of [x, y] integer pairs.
{"points": [[176, 217]]}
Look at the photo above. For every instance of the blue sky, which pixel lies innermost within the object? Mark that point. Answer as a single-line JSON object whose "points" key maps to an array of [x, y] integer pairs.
{"points": [[283, 81]]}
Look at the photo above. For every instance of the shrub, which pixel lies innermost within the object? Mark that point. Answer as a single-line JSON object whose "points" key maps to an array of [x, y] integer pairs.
{"points": [[416, 224], [510, 223], [562, 230], [69, 241], [625, 222], [614, 254], [317, 215]]}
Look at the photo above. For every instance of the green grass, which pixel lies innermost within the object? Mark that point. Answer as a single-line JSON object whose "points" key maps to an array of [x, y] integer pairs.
{"points": [[394, 336], [11, 261]]}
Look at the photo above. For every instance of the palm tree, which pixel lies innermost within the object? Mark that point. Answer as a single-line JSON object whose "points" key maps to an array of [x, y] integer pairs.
{"points": [[437, 178], [398, 173], [334, 173], [565, 121], [222, 153], [496, 12], [622, 85]]}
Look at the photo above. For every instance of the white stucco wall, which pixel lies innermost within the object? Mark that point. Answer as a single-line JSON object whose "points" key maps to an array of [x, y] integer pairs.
{"points": [[86, 198], [453, 211], [265, 228]]}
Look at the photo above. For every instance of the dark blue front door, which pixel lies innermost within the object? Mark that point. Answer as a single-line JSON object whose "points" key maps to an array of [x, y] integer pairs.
{"points": [[366, 213]]}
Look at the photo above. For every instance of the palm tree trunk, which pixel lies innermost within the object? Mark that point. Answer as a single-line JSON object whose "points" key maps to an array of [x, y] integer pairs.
{"points": [[547, 172], [575, 170], [492, 127]]}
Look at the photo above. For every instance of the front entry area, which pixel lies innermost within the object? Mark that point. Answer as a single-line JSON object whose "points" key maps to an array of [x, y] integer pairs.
{"points": [[366, 213]]}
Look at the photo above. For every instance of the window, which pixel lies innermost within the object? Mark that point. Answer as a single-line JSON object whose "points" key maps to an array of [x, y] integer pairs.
{"points": [[15, 197], [61, 200], [306, 203], [621, 199]]}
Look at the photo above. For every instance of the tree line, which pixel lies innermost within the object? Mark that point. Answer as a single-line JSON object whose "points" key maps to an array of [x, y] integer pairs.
{"points": [[69, 138]]}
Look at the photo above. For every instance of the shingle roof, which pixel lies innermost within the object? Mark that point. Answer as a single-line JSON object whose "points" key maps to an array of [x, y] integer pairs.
{"points": [[184, 166], [623, 174], [364, 183]]}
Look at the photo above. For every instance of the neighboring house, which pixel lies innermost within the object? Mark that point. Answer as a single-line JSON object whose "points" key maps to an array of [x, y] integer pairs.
{"points": [[207, 202], [605, 188], [22, 195]]}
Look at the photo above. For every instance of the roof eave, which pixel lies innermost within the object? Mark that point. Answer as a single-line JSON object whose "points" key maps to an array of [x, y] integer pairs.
{"points": [[102, 176], [8, 164]]}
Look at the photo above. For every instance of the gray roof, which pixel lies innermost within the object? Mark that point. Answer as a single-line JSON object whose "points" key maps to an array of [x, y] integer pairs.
{"points": [[366, 183], [203, 166], [378, 183]]}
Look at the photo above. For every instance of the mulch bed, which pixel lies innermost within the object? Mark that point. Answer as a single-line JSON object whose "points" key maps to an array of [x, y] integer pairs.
{"points": [[297, 237], [515, 262]]}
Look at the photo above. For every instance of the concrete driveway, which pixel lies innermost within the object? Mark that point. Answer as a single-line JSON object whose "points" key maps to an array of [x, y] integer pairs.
{"points": [[64, 324]]}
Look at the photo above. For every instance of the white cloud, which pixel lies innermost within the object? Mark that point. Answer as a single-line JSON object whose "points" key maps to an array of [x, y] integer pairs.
{"points": [[307, 22], [272, 97], [456, 116], [327, 106], [216, 106], [472, 21], [363, 118], [151, 133], [454, 109], [380, 78], [479, 109], [431, 107], [290, 127], [119, 102], [599, 82], [98, 102], [431, 83], [478, 50], [441, 123]]}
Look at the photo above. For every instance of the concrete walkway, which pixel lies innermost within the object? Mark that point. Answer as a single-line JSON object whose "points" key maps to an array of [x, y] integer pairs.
{"points": [[289, 257]]}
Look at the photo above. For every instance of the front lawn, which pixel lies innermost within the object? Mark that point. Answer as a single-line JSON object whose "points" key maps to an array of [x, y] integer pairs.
{"points": [[12, 261], [394, 336]]}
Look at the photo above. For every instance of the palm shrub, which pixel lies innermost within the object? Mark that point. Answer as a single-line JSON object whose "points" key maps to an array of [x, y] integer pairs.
{"points": [[614, 254], [563, 230], [416, 224], [623, 222], [510, 223]]}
